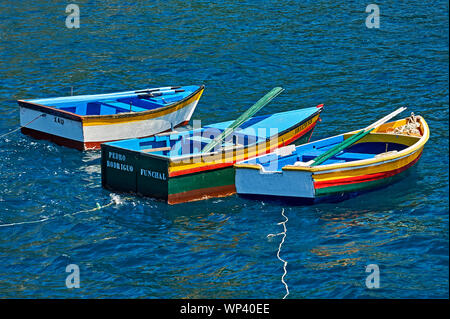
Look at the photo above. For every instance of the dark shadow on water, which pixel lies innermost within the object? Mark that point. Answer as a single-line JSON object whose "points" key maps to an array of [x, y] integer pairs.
{"points": [[332, 199]]}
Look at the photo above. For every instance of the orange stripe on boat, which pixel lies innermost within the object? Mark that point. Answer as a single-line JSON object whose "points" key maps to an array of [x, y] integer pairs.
{"points": [[202, 193]]}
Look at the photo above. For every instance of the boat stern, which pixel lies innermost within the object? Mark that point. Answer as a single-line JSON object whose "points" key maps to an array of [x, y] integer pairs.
{"points": [[125, 170], [253, 179], [48, 123]]}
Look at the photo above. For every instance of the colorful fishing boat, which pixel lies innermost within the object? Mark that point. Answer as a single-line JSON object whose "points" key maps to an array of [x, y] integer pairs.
{"points": [[336, 167], [86, 121], [175, 167]]}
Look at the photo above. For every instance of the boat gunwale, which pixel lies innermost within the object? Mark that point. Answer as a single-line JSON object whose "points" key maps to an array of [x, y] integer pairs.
{"points": [[354, 164], [81, 118], [50, 110]]}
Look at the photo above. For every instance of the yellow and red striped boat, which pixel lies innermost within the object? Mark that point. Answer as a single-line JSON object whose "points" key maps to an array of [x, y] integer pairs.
{"points": [[376, 160], [86, 121]]}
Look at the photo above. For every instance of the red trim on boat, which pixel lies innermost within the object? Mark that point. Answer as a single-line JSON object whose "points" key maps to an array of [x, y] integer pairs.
{"points": [[203, 193], [94, 145], [364, 178], [53, 138], [63, 141], [200, 169], [183, 123]]}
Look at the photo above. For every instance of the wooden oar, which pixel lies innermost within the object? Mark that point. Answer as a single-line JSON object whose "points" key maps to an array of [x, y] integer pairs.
{"points": [[244, 117], [351, 140]]}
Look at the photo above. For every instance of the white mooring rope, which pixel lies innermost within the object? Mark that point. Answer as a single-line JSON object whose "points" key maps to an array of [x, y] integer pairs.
{"points": [[115, 200], [279, 250], [16, 129]]}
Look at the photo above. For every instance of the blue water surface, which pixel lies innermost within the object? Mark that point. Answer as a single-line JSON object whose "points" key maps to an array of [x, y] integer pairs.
{"points": [[54, 212]]}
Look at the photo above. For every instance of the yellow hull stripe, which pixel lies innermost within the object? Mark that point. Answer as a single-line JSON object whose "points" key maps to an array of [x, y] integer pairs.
{"points": [[381, 167]]}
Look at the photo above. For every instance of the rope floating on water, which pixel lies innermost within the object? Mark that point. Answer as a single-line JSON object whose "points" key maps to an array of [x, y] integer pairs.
{"points": [[114, 201], [16, 129], [279, 250], [28, 222]]}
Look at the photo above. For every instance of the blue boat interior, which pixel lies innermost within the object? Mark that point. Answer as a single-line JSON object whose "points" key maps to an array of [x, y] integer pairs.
{"points": [[257, 129], [187, 142], [115, 103], [306, 152]]}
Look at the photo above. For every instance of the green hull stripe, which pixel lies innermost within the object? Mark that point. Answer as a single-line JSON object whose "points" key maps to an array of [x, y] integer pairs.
{"points": [[214, 178]]}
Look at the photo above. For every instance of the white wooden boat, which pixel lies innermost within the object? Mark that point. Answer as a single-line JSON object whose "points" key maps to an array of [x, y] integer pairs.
{"points": [[86, 121]]}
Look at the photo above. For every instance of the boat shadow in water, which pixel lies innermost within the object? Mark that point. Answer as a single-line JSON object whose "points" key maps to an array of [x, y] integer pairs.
{"points": [[392, 182]]}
